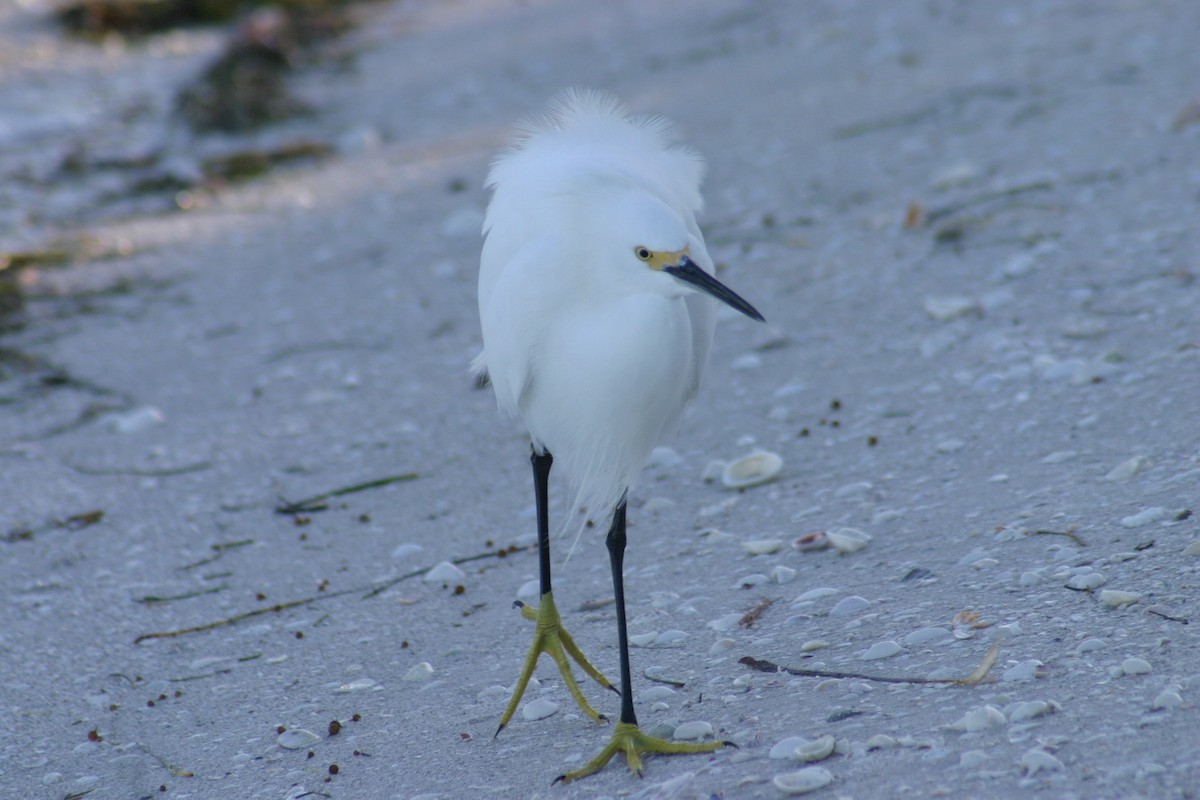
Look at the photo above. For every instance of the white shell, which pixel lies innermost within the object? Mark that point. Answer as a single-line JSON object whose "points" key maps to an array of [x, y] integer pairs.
{"points": [[803, 781], [445, 572], [1114, 598], [419, 672], [817, 749], [760, 466], [762, 547], [296, 738], [848, 540], [693, 730], [539, 709]]}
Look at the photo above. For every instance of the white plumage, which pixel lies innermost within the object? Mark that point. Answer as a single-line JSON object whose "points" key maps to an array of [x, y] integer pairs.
{"points": [[593, 351]]}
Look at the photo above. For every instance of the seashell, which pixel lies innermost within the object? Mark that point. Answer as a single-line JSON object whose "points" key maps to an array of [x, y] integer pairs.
{"points": [[816, 750], [809, 542], [1114, 598], [419, 672], [539, 709], [884, 649], [979, 719], [693, 730], [762, 547], [786, 748], [759, 467], [296, 738], [803, 781], [1135, 666], [445, 572], [1035, 761], [848, 540], [1086, 582]]}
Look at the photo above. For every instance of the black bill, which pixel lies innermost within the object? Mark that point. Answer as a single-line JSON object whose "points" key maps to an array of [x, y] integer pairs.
{"points": [[689, 272]]}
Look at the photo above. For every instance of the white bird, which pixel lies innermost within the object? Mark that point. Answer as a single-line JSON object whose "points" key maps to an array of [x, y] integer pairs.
{"points": [[597, 304]]}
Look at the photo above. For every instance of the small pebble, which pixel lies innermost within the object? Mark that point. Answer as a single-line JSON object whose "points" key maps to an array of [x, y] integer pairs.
{"points": [[1025, 671], [880, 741], [751, 580], [1032, 709], [762, 547], [297, 738], [1167, 698], [813, 644], [972, 759], [405, 550], [950, 445], [670, 637], [643, 639], [803, 781], [1144, 517], [848, 540], [1113, 598], [693, 730], [445, 572], [664, 457], [884, 649], [713, 471], [1059, 456], [721, 646], [1135, 666], [654, 694], [946, 308], [781, 574], [1192, 549], [928, 636], [539, 709], [816, 594], [419, 672], [135, 420], [1126, 469], [1090, 645], [360, 685], [849, 605], [1035, 761], [980, 719], [1087, 582], [786, 748]]}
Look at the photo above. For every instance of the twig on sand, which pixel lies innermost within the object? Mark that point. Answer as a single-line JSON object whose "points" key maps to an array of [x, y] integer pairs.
{"points": [[1074, 537], [975, 677], [317, 502], [370, 591]]}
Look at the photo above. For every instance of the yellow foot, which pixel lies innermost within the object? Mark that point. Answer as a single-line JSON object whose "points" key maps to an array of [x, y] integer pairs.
{"points": [[552, 638], [630, 740]]}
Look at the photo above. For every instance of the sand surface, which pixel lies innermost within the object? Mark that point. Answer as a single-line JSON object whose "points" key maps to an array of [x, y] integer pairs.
{"points": [[1003, 393]]}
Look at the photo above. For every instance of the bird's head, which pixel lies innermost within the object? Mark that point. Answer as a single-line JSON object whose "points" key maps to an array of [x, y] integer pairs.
{"points": [[653, 249], [678, 264]]}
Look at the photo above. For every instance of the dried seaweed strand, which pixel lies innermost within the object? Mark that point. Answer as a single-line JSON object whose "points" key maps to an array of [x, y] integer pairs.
{"points": [[371, 591], [317, 502], [985, 666]]}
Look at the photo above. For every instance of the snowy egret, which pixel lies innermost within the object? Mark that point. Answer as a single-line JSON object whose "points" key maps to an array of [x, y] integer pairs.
{"points": [[597, 303]]}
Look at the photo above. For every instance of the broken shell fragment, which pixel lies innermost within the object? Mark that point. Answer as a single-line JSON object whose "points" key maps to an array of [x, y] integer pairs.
{"points": [[759, 467], [848, 540], [809, 542]]}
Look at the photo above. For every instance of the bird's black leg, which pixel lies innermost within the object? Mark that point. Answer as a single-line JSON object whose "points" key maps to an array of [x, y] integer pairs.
{"points": [[616, 557], [627, 738], [541, 478], [550, 636]]}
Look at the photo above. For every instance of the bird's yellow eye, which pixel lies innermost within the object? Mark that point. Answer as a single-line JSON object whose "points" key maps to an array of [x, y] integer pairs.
{"points": [[642, 253]]}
